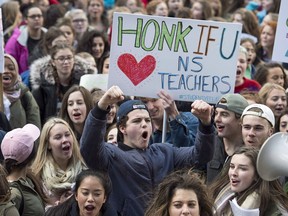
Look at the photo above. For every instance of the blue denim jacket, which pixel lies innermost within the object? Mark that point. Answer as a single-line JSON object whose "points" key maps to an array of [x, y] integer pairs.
{"points": [[182, 131]]}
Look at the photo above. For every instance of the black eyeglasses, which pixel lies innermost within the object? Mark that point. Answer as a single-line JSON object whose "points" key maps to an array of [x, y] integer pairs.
{"points": [[62, 59], [35, 16]]}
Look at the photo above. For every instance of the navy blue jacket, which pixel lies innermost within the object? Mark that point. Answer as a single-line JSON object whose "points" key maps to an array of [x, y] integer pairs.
{"points": [[135, 172]]}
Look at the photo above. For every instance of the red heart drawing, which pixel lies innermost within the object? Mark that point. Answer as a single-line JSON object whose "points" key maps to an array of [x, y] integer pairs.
{"points": [[136, 72]]}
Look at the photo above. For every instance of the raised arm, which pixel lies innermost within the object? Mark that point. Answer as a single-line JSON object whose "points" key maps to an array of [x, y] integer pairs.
{"points": [[201, 153], [92, 145], [206, 136]]}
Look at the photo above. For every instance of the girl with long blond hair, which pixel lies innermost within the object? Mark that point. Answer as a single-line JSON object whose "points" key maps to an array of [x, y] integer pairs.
{"points": [[58, 160]]}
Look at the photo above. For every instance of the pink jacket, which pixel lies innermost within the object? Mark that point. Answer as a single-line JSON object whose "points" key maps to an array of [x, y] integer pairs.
{"points": [[17, 47]]}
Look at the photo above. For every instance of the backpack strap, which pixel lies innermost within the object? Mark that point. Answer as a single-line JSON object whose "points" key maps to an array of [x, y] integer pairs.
{"points": [[16, 185]]}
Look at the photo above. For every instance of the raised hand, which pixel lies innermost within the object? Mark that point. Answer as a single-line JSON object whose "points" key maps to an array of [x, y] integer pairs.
{"points": [[112, 95], [203, 111]]}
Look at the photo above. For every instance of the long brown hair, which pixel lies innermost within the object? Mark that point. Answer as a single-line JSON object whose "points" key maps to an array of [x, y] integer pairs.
{"points": [[270, 192], [87, 100], [5, 192], [250, 22]]}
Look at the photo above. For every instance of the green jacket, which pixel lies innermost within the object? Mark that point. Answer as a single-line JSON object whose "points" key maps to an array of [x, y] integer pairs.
{"points": [[8, 209], [26, 199], [24, 110]]}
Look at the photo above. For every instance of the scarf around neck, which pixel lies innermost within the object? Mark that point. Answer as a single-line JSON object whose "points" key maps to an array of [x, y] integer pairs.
{"points": [[56, 179], [222, 204], [13, 93]]}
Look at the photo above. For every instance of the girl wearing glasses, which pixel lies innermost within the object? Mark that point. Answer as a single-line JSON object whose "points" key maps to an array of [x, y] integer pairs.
{"points": [[53, 75]]}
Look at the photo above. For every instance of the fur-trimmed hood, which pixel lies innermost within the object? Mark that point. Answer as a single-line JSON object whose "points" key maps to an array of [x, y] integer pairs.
{"points": [[41, 71]]}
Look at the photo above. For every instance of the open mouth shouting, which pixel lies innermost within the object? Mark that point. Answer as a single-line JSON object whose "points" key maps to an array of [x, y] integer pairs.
{"points": [[145, 135], [66, 148], [249, 60], [6, 79], [238, 72], [89, 208], [77, 116]]}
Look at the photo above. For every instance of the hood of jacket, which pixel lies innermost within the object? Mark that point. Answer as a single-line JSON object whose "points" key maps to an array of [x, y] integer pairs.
{"points": [[41, 71], [23, 35]]}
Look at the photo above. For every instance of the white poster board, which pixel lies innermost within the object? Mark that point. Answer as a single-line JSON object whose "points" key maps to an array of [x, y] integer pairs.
{"points": [[90, 81], [190, 59], [1, 44], [280, 50]]}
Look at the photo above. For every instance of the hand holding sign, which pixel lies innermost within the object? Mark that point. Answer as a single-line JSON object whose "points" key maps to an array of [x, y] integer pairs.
{"points": [[169, 104]]}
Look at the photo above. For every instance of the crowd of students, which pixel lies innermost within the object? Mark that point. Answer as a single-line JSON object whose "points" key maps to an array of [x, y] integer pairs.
{"points": [[66, 150]]}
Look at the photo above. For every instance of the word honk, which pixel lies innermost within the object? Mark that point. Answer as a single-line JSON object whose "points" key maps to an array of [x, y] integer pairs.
{"points": [[176, 37]]}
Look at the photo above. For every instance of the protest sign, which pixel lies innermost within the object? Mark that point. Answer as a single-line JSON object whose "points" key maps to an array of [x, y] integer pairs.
{"points": [[190, 59], [280, 50]]}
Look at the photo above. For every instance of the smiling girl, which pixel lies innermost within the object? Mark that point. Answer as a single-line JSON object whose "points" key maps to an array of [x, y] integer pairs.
{"points": [[20, 106], [274, 96], [240, 180], [95, 43]]}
